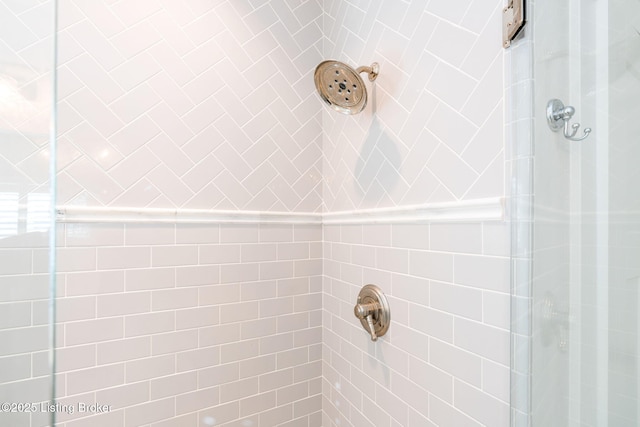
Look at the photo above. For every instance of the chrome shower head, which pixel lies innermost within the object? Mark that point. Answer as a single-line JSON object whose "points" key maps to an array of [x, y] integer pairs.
{"points": [[341, 86]]}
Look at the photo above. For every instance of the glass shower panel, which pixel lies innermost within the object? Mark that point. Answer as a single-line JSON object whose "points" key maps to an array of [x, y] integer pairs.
{"points": [[586, 251], [26, 205]]}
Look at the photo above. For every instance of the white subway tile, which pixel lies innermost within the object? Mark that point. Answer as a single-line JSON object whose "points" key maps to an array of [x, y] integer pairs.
{"points": [[412, 236], [240, 350], [24, 288], [456, 361], [292, 322], [18, 367], [152, 367], [174, 342], [275, 380], [457, 300], [95, 378], [163, 256], [221, 334], [91, 331], [431, 265], [276, 343], [198, 358], [303, 268], [392, 404], [292, 357], [496, 309], [15, 315], [232, 273], [193, 233], [239, 312], [123, 350], [123, 303], [258, 290], [171, 299], [480, 406], [307, 233], [218, 294], [123, 396], [218, 375], [94, 235], [276, 270], [258, 328], [396, 260], [257, 404], [307, 337], [67, 260], [276, 233], [438, 382], [149, 412], [148, 234], [442, 413], [80, 308], [238, 390], [197, 400], [172, 385], [459, 238], [149, 279], [483, 272], [307, 371], [239, 234], [197, 275], [432, 322], [483, 340], [122, 258], [255, 252], [293, 251], [148, 323], [192, 317], [257, 366]]}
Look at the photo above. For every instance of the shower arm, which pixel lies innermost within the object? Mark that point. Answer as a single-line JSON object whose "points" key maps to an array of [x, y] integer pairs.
{"points": [[372, 71]]}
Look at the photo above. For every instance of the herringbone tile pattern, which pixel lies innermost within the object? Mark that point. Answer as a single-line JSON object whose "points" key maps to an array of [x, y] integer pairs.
{"points": [[192, 104], [432, 131]]}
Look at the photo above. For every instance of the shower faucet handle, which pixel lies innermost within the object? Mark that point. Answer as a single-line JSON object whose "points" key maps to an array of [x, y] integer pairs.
{"points": [[373, 311], [366, 312]]}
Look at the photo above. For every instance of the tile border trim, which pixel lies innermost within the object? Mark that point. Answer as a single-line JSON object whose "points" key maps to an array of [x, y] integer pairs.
{"points": [[491, 209]]}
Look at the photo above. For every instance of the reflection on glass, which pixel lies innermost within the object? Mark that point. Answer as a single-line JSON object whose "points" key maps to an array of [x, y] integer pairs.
{"points": [[26, 111]]}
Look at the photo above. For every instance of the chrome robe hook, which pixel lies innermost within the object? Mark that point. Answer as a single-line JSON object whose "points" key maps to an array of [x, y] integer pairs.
{"points": [[558, 117]]}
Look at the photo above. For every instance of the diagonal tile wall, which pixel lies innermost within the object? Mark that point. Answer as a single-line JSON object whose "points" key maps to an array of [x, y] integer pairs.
{"points": [[198, 104], [432, 131]]}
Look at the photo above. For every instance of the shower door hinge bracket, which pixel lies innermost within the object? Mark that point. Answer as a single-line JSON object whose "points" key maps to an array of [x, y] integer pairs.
{"points": [[512, 21]]}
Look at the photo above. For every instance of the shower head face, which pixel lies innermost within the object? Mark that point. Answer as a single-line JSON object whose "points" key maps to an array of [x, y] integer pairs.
{"points": [[341, 87]]}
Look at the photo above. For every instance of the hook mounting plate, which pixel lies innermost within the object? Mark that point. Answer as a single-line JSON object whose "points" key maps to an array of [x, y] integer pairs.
{"points": [[555, 120]]}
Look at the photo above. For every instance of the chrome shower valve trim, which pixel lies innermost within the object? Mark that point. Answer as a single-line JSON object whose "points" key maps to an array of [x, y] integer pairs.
{"points": [[373, 311]]}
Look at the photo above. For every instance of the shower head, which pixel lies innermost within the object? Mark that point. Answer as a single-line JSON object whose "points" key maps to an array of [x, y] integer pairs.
{"points": [[341, 86]]}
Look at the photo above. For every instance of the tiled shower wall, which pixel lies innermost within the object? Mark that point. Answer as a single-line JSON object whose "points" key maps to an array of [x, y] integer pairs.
{"points": [[211, 105], [433, 127], [185, 325], [445, 359], [189, 104], [432, 133]]}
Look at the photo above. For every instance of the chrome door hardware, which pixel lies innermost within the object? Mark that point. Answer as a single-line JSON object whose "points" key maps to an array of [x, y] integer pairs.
{"points": [[558, 117], [513, 20], [373, 311]]}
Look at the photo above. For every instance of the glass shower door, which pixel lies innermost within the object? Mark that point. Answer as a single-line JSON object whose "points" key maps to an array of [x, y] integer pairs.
{"points": [[26, 206], [586, 234]]}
